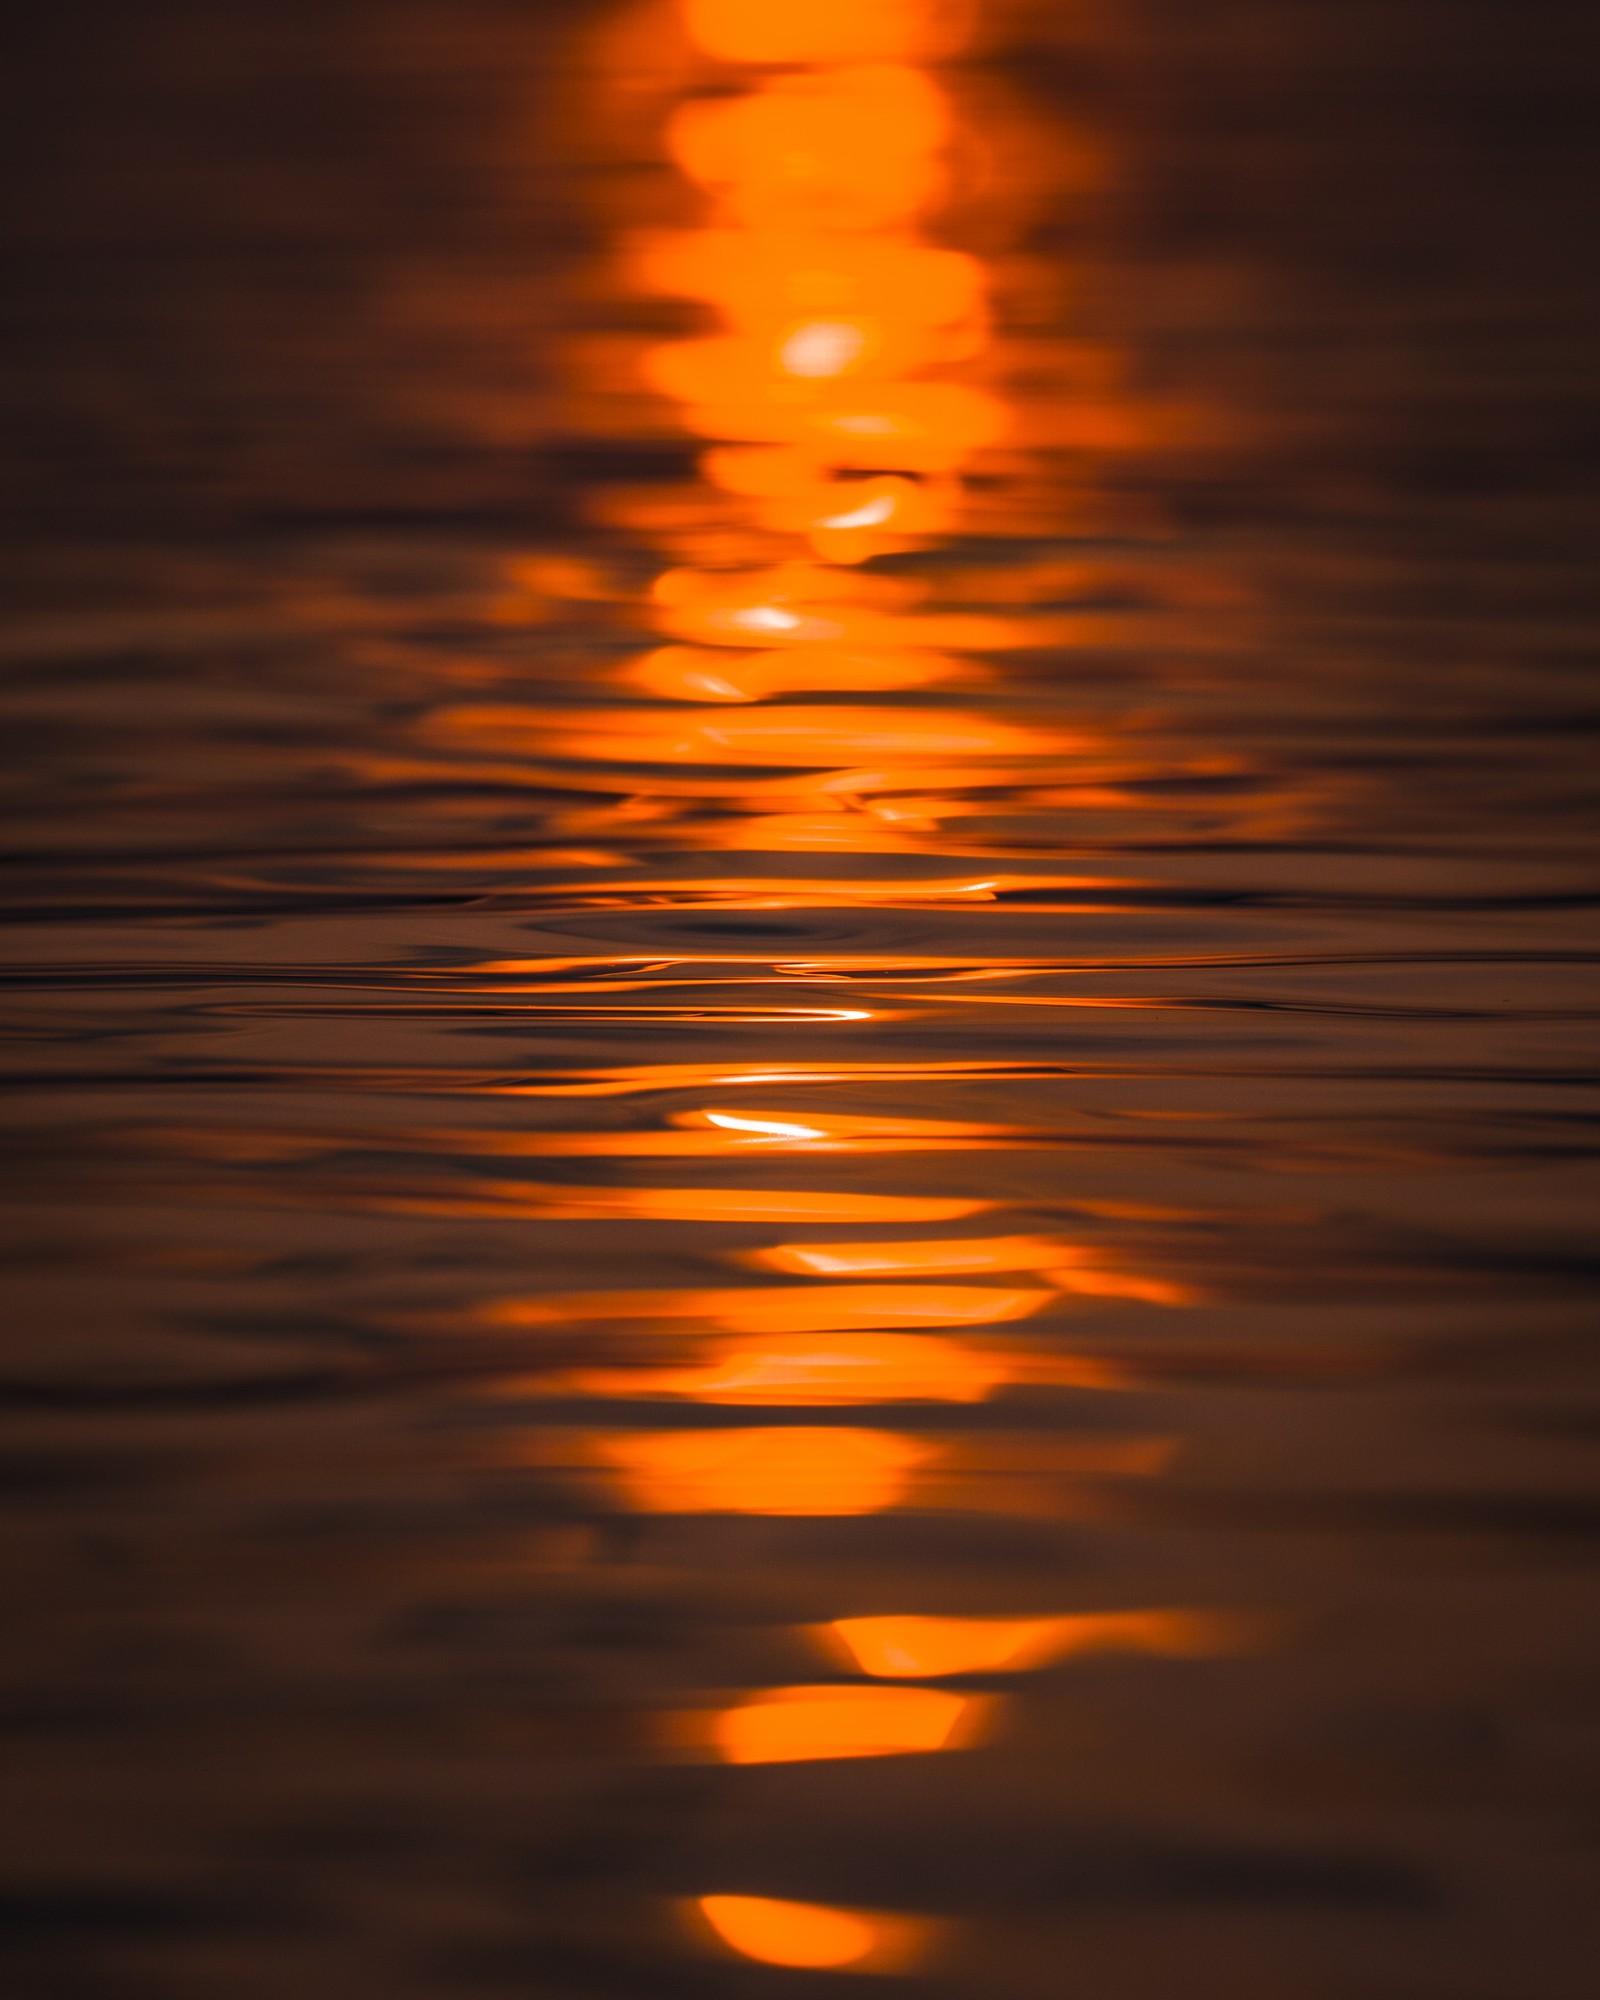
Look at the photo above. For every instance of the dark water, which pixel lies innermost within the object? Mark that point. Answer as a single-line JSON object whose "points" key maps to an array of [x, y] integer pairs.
{"points": [[955, 1299]]}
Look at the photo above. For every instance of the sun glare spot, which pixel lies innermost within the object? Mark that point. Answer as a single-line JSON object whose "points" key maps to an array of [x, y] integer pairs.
{"points": [[765, 618], [763, 1128], [822, 347], [873, 513]]}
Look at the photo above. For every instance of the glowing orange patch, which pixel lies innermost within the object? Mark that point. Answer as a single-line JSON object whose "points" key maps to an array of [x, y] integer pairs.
{"points": [[796, 1471], [787, 1725], [823, 31], [690, 673], [786, 1309], [854, 147], [768, 282], [748, 1204], [811, 1934], [798, 736], [839, 1368]]}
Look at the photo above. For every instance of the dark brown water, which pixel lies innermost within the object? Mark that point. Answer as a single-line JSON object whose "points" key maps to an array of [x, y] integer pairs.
{"points": [[753, 1258]]}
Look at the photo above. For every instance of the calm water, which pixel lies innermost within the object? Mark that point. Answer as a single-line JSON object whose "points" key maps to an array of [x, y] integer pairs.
{"points": [[802, 993]]}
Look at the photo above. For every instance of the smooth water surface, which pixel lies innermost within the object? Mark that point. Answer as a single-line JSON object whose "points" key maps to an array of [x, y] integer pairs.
{"points": [[801, 983]]}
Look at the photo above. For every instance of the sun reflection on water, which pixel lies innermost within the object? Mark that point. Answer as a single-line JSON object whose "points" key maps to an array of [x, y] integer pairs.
{"points": [[800, 677], [775, 1932]]}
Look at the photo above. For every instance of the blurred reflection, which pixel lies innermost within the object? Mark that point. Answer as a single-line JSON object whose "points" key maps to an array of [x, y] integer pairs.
{"points": [[530, 1199], [838, 1260], [847, 382], [786, 1725], [807, 1469], [814, 1934], [913, 1647], [808, 31], [763, 1471], [789, 1309], [848, 1368]]}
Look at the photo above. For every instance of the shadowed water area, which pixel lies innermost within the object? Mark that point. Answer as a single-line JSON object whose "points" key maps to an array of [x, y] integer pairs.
{"points": [[801, 1005]]}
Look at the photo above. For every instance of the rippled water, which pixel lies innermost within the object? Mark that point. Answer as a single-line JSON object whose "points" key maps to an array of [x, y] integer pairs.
{"points": [[802, 1006]]}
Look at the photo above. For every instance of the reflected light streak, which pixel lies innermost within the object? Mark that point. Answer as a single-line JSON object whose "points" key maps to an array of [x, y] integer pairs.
{"points": [[795, 1724], [911, 1647], [789, 1471], [733, 1204], [702, 1134], [845, 1367], [785, 1309], [626, 1080], [816, 1469], [839, 1260], [814, 738], [690, 673]]}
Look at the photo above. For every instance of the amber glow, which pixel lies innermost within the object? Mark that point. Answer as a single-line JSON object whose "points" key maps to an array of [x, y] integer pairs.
{"points": [[913, 1647], [785, 1309], [831, 1128], [786, 1725], [813, 737], [841, 1368], [688, 673], [1094, 1283], [784, 1205], [628, 1078], [810, 31], [853, 146], [822, 1469], [841, 1260], [791, 1471], [746, 1133], [812, 1934], [828, 393]]}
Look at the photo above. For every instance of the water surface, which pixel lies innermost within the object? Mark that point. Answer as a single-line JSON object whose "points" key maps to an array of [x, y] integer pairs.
{"points": [[801, 983]]}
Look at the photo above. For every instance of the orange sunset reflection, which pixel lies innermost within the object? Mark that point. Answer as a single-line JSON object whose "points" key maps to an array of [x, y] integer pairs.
{"points": [[838, 1368], [790, 1471], [820, 1469], [787, 1309], [819, 1935], [793, 1724], [809, 31]]}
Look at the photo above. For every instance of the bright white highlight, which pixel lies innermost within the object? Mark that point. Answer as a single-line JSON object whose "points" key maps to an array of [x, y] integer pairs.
{"points": [[762, 1128], [764, 618], [872, 515], [821, 347]]}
